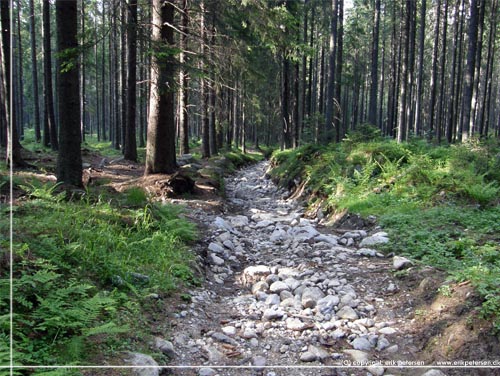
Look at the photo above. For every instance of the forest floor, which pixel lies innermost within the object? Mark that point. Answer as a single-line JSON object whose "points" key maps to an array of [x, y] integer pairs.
{"points": [[288, 295], [283, 294]]}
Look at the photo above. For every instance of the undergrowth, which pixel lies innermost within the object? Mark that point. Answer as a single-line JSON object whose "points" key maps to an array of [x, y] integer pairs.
{"points": [[439, 203], [82, 269]]}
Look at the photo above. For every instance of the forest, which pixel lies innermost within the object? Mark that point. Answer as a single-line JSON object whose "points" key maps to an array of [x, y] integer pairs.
{"points": [[125, 123]]}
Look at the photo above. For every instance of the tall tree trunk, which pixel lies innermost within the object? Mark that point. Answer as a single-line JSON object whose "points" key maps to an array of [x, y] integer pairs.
{"points": [[296, 112], [372, 113], [19, 73], [454, 92], [417, 127], [466, 125], [339, 115], [402, 115], [14, 148], [50, 129], [34, 72], [160, 145], [486, 106], [456, 121], [478, 75], [380, 122], [204, 90], [440, 116], [69, 159], [104, 118], [285, 101], [130, 146], [83, 105], [123, 75], [432, 105], [183, 89], [330, 105]]}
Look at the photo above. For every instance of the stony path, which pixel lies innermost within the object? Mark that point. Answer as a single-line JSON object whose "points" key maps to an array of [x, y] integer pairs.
{"points": [[282, 291]]}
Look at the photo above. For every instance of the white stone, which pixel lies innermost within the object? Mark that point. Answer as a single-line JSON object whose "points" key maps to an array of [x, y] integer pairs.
{"points": [[229, 330], [310, 296], [138, 359], [348, 313], [378, 238], [278, 286], [400, 263], [387, 330], [326, 305]]}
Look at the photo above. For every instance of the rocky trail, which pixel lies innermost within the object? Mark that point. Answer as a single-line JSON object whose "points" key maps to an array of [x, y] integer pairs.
{"points": [[285, 295]]}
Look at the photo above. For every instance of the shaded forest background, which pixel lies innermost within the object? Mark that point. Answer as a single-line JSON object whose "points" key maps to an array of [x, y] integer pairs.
{"points": [[253, 71]]}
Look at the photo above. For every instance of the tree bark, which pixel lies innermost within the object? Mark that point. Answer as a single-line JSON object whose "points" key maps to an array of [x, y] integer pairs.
{"points": [[130, 145], [466, 125], [14, 147], [433, 89], [417, 127], [49, 128], [160, 145], [330, 105], [34, 72], [69, 159], [183, 83], [372, 113]]}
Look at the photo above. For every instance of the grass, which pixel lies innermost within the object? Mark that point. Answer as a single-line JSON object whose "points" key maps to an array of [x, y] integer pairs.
{"points": [[439, 203], [84, 268]]}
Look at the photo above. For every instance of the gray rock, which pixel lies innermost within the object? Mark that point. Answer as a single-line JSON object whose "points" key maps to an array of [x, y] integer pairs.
{"points": [[292, 283], [326, 305], [263, 224], [368, 252], [272, 314], [330, 239], [166, 347], [400, 263], [220, 337], [278, 286], [259, 286], [394, 349], [296, 324], [357, 355], [229, 330], [378, 238], [259, 361], [382, 344], [222, 224], [387, 330], [273, 300], [214, 355], [285, 294], [310, 296], [229, 245], [361, 343], [249, 333], [303, 233], [376, 370], [138, 359], [348, 313], [206, 372], [215, 260], [252, 274], [433, 372], [308, 356], [239, 221], [216, 248], [279, 235]]}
